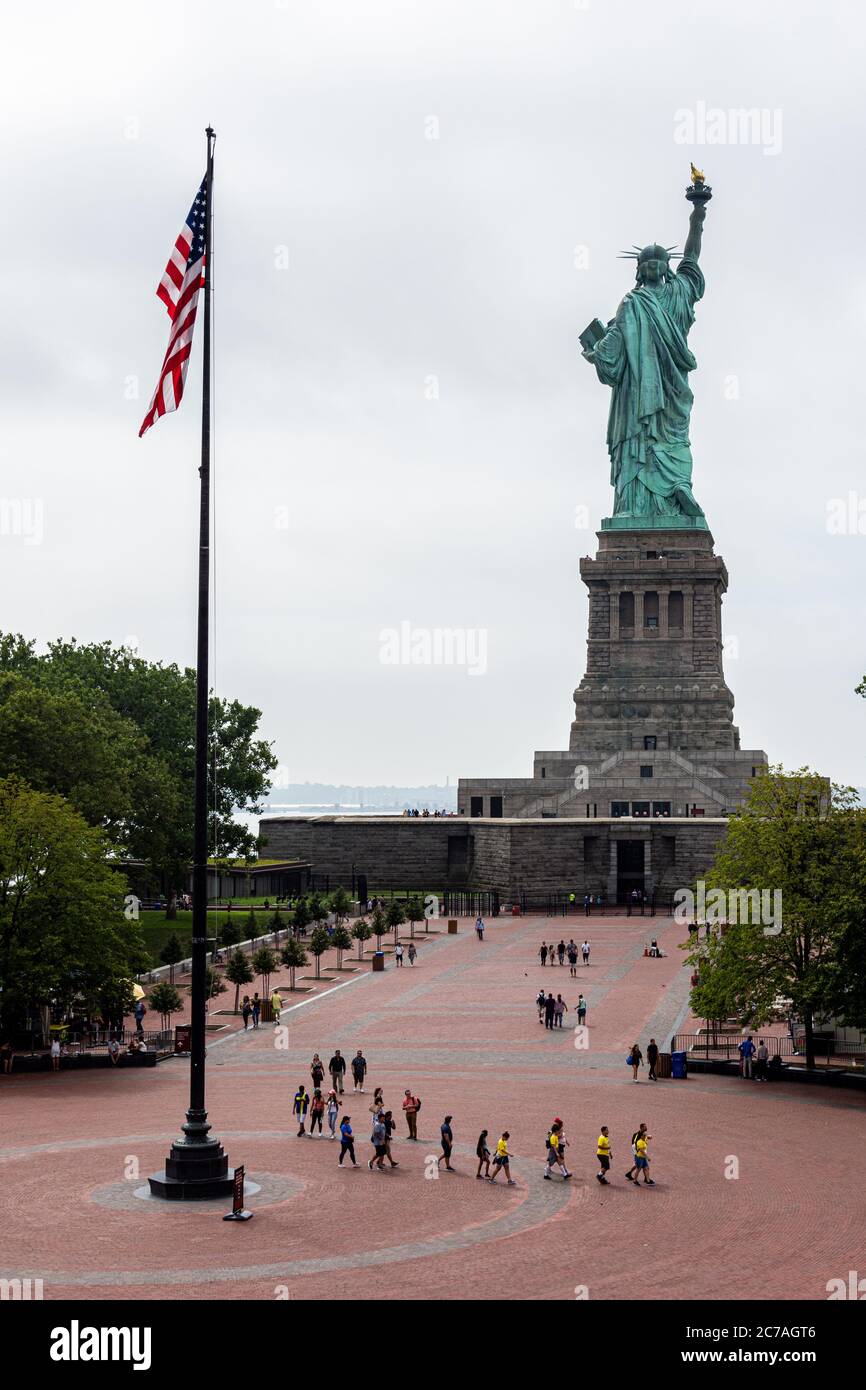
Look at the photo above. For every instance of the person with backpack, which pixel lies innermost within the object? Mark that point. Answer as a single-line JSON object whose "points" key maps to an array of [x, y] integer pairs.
{"points": [[640, 1133], [398, 953], [652, 1057], [634, 1060], [571, 951], [540, 1001], [411, 1106], [347, 1141], [300, 1107], [377, 1139], [317, 1111], [332, 1110], [257, 1009], [641, 1159], [556, 1151], [604, 1155]]}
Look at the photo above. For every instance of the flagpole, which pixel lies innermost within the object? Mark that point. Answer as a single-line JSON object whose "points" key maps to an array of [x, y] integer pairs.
{"points": [[197, 1167]]}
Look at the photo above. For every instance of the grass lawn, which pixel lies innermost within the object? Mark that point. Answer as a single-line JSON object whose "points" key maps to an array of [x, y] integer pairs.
{"points": [[156, 930]]}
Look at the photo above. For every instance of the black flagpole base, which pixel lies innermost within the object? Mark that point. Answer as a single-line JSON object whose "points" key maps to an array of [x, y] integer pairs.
{"points": [[196, 1168], [238, 1215]]}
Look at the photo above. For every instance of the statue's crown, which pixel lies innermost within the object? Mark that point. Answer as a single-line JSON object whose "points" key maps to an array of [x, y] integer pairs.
{"points": [[650, 253]]}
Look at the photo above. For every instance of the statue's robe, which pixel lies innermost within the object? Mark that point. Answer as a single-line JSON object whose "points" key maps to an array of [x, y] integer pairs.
{"points": [[644, 357]]}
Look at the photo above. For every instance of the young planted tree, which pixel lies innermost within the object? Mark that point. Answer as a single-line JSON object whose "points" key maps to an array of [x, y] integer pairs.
{"points": [[319, 943], [301, 917], [792, 840], [294, 956], [265, 962], [316, 908], [171, 953], [379, 926], [252, 928], [239, 973], [214, 983], [361, 932], [414, 913], [341, 941], [276, 925], [340, 905], [228, 934], [395, 917], [165, 1001]]}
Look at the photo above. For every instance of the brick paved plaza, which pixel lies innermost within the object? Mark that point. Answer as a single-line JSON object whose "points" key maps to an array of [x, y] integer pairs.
{"points": [[461, 1029]]}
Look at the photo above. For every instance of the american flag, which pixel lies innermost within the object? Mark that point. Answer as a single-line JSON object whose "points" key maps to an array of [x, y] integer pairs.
{"points": [[178, 289]]}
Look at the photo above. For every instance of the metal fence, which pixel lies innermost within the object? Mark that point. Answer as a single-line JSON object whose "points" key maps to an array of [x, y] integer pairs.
{"points": [[720, 1046]]}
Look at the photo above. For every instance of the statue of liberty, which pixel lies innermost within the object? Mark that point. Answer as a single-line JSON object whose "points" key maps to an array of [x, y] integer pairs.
{"points": [[643, 355]]}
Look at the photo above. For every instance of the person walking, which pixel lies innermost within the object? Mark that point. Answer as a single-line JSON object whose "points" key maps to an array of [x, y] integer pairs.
{"points": [[641, 1160], [584, 951], [378, 1102], [332, 1110], [500, 1162], [300, 1107], [560, 952], [359, 1070], [640, 1133], [483, 1155], [635, 1060], [276, 1007], [479, 928], [556, 1151], [55, 1054], [337, 1069], [317, 1112], [317, 1070], [762, 1057], [398, 954], [347, 1140], [257, 1009], [581, 1010], [652, 1057], [388, 1122], [541, 1000], [604, 1155], [411, 1106], [560, 1008], [571, 951], [542, 951], [549, 1011], [377, 1139], [447, 1139], [412, 953], [746, 1050], [587, 904], [246, 1011]]}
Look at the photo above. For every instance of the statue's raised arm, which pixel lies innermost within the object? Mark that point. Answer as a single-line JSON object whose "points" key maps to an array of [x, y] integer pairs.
{"points": [[698, 195]]}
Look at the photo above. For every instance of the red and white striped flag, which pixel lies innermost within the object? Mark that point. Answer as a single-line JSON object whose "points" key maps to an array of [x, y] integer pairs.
{"points": [[178, 289]]}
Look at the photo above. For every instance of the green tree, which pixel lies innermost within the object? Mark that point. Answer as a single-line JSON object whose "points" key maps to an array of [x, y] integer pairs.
{"points": [[379, 926], [63, 935], [340, 905], [276, 925], [395, 917], [228, 933], [414, 913], [238, 972], [265, 962], [316, 908], [361, 932], [171, 954], [341, 941], [301, 916], [252, 927], [165, 1000], [294, 956], [792, 838], [319, 943], [214, 983]]}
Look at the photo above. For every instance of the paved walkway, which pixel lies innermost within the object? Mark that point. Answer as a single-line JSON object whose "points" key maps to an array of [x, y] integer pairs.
{"points": [[462, 1030]]}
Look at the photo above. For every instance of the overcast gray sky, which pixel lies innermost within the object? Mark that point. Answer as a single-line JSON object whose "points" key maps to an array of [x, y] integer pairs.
{"points": [[404, 425]]}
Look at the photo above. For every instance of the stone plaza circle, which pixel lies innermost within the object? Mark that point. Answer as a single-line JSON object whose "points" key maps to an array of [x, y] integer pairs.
{"points": [[654, 765]]}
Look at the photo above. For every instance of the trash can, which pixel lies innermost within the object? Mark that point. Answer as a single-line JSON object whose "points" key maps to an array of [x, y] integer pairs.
{"points": [[515, 911], [679, 1071], [663, 1066], [452, 927], [378, 960]]}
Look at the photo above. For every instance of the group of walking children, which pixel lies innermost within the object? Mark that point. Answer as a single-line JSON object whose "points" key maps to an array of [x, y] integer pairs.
{"points": [[640, 1157]]}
